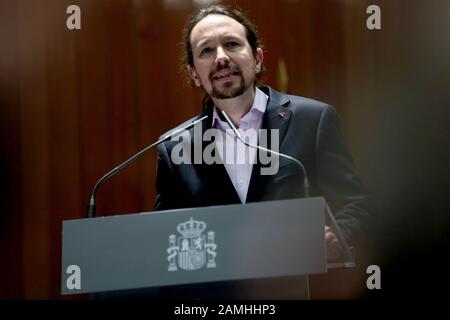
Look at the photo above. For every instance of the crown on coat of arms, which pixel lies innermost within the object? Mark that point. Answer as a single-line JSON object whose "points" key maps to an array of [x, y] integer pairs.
{"points": [[191, 228]]}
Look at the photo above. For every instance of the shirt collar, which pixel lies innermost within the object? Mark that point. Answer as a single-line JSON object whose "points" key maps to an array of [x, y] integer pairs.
{"points": [[258, 108]]}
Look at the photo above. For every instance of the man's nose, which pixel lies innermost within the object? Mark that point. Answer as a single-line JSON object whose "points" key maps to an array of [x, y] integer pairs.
{"points": [[221, 57]]}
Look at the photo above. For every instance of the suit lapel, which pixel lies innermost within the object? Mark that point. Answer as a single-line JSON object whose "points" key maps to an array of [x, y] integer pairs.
{"points": [[277, 116], [217, 187]]}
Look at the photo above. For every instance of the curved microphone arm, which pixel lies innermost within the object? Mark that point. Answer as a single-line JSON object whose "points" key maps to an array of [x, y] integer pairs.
{"points": [[238, 134], [91, 209], [349, 259]]}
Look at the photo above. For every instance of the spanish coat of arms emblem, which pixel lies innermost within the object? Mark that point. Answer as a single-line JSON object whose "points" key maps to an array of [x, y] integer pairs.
{"points": [[193, 249]]}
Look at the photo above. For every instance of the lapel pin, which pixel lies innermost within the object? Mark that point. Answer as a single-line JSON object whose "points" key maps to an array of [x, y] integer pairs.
{"points": [[282, 114]]}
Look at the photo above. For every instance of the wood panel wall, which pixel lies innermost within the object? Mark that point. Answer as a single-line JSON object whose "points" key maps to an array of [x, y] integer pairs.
{"points": [[73, 104]]}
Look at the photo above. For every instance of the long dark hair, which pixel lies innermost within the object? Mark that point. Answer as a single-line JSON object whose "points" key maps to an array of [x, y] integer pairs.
{"points": [[238, 15]]}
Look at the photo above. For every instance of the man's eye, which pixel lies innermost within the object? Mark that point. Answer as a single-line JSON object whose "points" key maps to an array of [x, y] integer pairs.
{"points": [[232, 44], [205, 51]]}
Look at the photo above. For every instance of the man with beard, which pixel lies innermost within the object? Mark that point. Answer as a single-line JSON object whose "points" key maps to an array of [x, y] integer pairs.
{"points": [[224, 57]]}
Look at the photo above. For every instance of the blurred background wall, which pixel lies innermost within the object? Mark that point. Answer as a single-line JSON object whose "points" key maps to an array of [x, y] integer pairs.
{"points": [[73, 104]]}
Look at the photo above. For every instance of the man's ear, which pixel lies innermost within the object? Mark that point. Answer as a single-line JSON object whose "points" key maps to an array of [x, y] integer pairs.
{"points": [[193, 75], [259, 57]]}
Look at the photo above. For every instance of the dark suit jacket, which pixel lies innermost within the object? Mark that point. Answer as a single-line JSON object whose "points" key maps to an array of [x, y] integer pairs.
{"points": [[309, 131]]}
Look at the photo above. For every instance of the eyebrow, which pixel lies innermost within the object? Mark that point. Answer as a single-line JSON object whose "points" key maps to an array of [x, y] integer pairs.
{"points": [[204, 42]]}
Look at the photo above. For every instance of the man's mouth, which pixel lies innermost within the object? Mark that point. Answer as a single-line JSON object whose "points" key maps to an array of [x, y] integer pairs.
{"points": [[225, 75]]}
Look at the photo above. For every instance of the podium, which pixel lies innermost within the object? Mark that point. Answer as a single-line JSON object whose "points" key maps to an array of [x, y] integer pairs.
{"points": [[261, 250]]}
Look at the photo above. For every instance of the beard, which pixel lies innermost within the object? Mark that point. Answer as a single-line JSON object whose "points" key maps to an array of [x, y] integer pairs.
{"points": [[229, 89]]}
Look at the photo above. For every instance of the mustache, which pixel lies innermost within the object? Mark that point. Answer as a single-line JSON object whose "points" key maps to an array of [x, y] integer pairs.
{"points": [[225, 67]]}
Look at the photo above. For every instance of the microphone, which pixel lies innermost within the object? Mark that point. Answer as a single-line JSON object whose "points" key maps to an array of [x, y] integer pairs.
{"points": [[347, 250], [91, 209], [238, 134]]}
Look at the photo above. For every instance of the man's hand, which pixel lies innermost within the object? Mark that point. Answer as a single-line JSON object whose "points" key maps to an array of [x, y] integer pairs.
{"points": [[334, 247]]}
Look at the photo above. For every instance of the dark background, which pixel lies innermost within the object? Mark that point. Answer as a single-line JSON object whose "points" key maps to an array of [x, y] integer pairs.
{"points": [[73, 104]]}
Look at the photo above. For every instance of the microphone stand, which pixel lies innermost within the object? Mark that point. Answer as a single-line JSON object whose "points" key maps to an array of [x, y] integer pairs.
{"points": [[238, 134], [91, 208], [349, 259]]}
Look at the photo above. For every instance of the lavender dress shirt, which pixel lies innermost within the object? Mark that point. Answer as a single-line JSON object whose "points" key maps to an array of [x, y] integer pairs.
{"points": [[237, 158]]}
